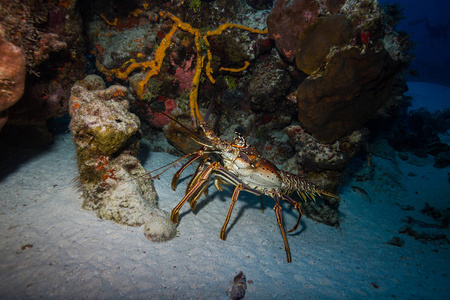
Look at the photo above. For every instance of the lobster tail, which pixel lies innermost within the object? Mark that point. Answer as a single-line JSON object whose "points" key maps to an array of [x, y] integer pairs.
{"points": [[304, 188]]}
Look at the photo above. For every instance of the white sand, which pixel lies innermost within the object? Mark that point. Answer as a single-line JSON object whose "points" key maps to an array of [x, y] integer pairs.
{"points": [[50, 248]]}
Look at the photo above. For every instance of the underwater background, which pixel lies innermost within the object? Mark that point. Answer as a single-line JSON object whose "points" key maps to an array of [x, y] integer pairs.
{"points": [[323, 124], [428, 24]]}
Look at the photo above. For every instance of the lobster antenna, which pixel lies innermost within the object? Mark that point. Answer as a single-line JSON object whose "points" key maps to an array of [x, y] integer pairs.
{"points": [[181, 124], [170, 165], [208, 112], [173, 163]]}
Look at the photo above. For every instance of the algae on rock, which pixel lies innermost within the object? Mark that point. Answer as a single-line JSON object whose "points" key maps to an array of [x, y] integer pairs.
{"points": [[113, 181]]}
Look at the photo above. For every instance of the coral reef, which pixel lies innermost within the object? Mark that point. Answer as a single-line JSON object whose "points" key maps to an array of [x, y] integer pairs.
{"points": [[114, 183], [331, 64], [351, 54], [313, 155], [267, 88], [12, 76], [332, 6], [92, 82], [49, 34], [316, 40], [181, 136], [202, 45], [353, 87], [323, 165], [260, 4], [159, 117], [289, 19], [286, 22], [419, 133], [354, 62]]}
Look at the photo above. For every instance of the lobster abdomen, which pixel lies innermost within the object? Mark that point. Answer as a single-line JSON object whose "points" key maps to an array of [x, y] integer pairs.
{"points": [[306, 189]]}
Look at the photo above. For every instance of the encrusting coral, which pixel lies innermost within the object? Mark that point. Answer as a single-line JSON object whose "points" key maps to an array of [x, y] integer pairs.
{"points": [[352, 62], [113, 182], [286, 22], [49, 33], [153, 67], [328, 51], [317, 39], [351, 89], [322, 164], [12, 76]]}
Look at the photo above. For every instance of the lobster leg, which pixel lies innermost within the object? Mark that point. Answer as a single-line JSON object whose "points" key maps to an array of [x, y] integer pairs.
{"points": [[297, 206], [204, 177], [277, 209], [194, 179], [177, 175], [223, 232], [200, 190], [196, 175]]}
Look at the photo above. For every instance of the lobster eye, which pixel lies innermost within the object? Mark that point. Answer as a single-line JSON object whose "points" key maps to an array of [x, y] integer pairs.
{"points": [[240, 130], [240, 141]]}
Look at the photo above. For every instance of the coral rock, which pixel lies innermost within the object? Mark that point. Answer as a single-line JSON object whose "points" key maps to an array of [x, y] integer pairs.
{"points": [[315, 42], [107, 123], [50, 36], [180, 136], [286, 22], [160, 119], [260, 4], [322, 165], [238, 287], [314, 156], [268, 85], [12, 76], [93, 82], [333, 6], [442, 160], [354, 85], [114, 183]]}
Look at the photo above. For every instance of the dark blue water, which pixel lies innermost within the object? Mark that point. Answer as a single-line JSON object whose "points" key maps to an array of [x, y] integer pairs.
{"points": [[428, 22]]}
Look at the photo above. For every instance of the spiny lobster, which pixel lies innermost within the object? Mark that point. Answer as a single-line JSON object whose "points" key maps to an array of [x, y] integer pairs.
{"points": [[243, 167]]}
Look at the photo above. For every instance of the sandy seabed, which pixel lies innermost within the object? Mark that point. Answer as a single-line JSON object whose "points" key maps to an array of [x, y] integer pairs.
{"points": [[51, 248]]}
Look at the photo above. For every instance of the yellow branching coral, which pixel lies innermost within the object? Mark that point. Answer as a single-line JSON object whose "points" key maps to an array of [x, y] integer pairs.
{"points": [[114, 23], [246, 64], [194, 90], [153, 67]]}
